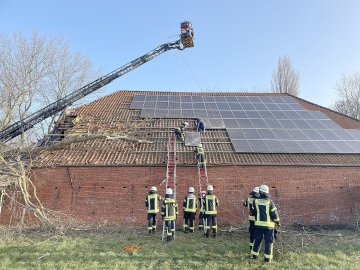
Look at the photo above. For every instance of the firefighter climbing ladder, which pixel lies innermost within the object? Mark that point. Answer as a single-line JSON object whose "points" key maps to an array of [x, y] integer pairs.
{"points": [[170, 172]]}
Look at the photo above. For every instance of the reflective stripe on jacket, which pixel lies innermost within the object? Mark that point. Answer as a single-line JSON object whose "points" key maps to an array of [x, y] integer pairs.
{"points": [[211, 202], [200, 150], [169, 209], [152, 203], [190, 203], [265, 213], [249, 204]]}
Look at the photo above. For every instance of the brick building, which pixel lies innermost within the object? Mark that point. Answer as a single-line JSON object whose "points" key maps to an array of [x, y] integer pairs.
{"points": [[106, 178]]}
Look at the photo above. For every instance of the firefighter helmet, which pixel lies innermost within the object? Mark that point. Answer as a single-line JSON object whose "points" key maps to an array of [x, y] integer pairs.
{"points": [[153, 188], [191, 190], [264, 189], [256, 189], [169, 191], [210, 188], [200, 145]]}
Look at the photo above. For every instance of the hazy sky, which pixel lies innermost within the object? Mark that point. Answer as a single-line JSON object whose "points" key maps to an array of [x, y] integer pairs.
{"points": [[237, 43]]}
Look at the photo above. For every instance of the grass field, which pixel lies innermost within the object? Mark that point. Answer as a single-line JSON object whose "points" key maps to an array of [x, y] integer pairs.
{"points": [[114, 248]]}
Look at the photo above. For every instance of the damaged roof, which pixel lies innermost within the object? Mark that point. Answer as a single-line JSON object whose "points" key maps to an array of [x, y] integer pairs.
{"points": [[108, 133]]}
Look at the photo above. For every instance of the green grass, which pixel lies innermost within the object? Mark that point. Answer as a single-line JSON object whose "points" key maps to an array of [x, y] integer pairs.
{"points": [[103, 250]]}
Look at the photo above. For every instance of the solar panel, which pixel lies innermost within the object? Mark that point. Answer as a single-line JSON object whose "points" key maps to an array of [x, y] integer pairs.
{"points": [[258, 146], [192, 138], [273, 123], [282, 134], [187, 106], [275, 146], [242, 146], [245, 123], [297, 134], [326, 147], [309, 147], [163, 98], [186, 99], [214, 114], [292, 147], [223, 106], [236, 134], [226, 114], [197, 99], [176, 99], [212, 123], [231, 123], [266, 134], [247, 106], [209, 99], [260, 124], [136, 105], [139, 98], [251, 133], [231, 99]]}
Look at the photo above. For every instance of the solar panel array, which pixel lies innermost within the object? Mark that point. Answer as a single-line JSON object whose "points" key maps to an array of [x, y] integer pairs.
{"points": [[257, 124]]}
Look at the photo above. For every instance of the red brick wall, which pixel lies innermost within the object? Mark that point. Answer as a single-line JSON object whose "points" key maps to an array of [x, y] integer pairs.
{"points": [[310, 195]]}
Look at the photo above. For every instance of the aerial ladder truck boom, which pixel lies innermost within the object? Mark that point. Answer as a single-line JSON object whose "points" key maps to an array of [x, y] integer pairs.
{"points": [[14, 130]]}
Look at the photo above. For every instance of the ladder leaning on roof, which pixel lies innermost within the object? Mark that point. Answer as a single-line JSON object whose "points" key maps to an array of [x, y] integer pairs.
{"points": [[170, 172], [203, 182]]}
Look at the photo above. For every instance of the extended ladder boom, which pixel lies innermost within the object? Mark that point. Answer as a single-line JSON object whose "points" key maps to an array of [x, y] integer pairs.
{"points": [[28, 122]]}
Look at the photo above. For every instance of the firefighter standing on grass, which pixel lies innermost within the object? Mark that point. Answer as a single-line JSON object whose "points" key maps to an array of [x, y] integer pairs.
{"points": [[211, 202], [249, 203], [169, 212], [201, 210], [190, 205], [266, 217], [152, 207]]}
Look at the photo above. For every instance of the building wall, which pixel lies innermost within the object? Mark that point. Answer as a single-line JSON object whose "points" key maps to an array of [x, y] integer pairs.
{"points": [[309, 195]]}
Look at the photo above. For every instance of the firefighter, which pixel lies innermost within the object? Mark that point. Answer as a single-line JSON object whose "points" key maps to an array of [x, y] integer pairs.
{"points": [[211, 203], [200, 156], [199, 124], [248, 203], [169, 212], [266, 217], [184, 125], [152, 207], [179, 134], [201, 210], [190, 205]]}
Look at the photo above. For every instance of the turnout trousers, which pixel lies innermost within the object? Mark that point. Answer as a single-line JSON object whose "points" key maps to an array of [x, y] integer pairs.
{"points": [[189, 220], [268, 235], [151, 218], [201, 220], [170, 229], [210, 223], [251, 233]]}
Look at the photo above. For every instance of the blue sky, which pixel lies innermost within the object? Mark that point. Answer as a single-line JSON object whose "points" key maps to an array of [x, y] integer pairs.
{"points": [[237, 43]]}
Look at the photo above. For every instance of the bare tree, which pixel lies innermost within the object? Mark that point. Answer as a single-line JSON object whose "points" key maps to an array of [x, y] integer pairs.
{"points": [[285, 78], [348, 91], [35, 72]]}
